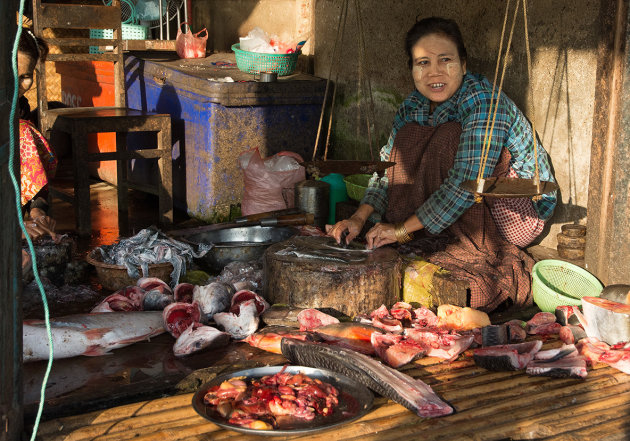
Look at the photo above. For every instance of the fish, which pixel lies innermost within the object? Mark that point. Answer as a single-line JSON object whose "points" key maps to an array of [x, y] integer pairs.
{"points": [[213, 298], [543, 323], [244, 295], [617, 358], [156, 300], [517, 330], [616, 293], [178, 317], [151, 246], [396, 350], [565, 315], [606, 320], [506, 357], [566, 367], [592, 348], [388, 324], [198, 337], [493, 335], [88, 334], [242, 324], [355, 336], [310, 319], [153, 283], [130, 298], [541, 318], [183, 292], [461, 319], [440, 344], [270, 341], [412, 393], [424, 318], [556, 354], [571, 334]]}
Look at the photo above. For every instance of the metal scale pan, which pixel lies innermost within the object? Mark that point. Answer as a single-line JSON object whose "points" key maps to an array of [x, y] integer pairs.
{"points": [[325, 167], [503, 187]]}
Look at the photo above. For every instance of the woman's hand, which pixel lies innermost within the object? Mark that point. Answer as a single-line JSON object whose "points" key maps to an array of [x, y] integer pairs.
{"points": [[40, 224], [353, 226], [380, 234]]}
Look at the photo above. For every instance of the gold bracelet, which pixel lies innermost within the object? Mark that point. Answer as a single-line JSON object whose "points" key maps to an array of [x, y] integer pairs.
{"points": [[402, 236]]}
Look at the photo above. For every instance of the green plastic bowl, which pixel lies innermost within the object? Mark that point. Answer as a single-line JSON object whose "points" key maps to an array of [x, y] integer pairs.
{"points": [[356, 185], [558, 283]]}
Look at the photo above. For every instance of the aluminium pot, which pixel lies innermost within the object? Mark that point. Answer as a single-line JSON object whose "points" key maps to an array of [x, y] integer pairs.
{"points": [[242, 244]]}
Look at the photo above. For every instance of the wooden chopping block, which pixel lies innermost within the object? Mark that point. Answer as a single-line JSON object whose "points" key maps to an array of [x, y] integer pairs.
{"points": [[606, 320], [313, 272]]}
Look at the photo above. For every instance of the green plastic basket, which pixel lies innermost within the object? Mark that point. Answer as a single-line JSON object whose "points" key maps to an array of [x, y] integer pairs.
{"points": [[255, 62], [356, 185], [129, 32], [558, 283]]}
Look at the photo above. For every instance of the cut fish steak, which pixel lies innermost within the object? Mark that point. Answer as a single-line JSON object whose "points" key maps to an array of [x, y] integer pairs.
{"points": [[440, 344], [506, 357]]}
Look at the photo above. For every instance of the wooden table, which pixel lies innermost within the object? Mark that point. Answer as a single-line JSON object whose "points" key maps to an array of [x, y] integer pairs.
{"points": [[489, 406]]}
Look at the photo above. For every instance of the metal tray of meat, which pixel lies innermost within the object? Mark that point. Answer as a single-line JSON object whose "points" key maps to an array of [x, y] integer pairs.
{"points": [[355, 400]]}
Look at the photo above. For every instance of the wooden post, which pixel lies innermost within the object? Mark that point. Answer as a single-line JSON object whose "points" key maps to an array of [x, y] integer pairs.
{"points": [[608, 229], [10, 274]]}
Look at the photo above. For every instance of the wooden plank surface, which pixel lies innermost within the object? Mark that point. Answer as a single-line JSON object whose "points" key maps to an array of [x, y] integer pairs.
{"points": [[488, 406]]}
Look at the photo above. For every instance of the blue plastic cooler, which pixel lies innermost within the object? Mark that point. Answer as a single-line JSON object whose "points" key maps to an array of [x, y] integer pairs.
{"points": [[213, 122]]}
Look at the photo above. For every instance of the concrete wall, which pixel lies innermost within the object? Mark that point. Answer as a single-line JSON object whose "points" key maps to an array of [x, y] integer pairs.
{"points": [[563, 39]]}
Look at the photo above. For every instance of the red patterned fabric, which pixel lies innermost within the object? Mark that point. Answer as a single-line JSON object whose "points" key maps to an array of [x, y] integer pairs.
{"points": [[37, 161], [496, 270], [516, 219]]}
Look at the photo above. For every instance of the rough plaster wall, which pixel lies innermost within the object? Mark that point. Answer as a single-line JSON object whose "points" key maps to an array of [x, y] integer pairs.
{"points": [[563, 39], [227, 20]]}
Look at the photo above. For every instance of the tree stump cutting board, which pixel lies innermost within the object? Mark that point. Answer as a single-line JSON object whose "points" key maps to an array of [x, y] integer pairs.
{"points": [[315, 272]]}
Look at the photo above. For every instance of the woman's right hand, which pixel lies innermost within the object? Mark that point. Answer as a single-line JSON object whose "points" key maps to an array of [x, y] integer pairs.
{"points": [[353, 226], [41, 226]]}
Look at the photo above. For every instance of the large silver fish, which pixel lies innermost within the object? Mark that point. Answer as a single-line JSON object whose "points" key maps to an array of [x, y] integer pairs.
{"points": [[89, 334], [414, 394]]}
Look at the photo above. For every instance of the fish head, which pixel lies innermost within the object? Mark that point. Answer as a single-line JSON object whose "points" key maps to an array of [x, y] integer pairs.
{"points": [[198, 337], [179, 316]]}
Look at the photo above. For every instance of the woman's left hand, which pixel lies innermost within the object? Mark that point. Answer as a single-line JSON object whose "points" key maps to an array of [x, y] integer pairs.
{"points": [[380, 234]]}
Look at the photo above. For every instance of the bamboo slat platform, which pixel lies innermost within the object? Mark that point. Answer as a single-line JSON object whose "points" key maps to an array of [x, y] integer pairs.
{"points": [[489, 406]]}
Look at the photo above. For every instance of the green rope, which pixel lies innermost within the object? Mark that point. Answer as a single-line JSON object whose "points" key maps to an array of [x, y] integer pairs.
{"points": [[18, 204]]}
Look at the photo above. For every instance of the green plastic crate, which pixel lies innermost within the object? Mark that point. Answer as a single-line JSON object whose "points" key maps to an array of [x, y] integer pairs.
{"points": [[129, 32]]}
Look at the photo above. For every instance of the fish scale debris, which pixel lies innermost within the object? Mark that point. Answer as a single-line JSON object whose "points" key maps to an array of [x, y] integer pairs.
{"points": [[151, 246]]}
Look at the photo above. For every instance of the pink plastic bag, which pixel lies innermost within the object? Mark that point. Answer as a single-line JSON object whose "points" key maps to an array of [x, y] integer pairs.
{"points": [[265, 188], [189, 45]]}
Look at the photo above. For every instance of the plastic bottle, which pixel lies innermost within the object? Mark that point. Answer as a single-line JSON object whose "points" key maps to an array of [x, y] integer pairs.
{"points": [[338, 193]]}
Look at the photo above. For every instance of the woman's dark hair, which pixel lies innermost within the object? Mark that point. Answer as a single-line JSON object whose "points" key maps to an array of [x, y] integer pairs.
{"points": [[435, 25], [32, 45]]}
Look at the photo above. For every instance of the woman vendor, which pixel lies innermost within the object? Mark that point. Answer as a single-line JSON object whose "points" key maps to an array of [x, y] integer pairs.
{"points": [[436, 143]]}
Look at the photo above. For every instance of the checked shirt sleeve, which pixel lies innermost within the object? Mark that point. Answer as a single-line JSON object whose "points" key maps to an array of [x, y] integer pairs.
{"points": [[449, 202]]}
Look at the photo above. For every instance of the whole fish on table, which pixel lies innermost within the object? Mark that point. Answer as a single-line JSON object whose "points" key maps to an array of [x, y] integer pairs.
{"points": [[412, 393], [88, 334]]}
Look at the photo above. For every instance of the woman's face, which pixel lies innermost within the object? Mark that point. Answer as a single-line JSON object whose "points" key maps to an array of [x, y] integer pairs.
{"points": [[437, 70], [26, 67]]}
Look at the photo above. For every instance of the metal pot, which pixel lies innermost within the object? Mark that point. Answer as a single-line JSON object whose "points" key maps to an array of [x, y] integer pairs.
{"points": [[241, 244]]}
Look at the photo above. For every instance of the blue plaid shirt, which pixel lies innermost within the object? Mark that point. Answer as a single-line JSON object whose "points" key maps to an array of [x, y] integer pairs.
{"points": [[470, 106]]}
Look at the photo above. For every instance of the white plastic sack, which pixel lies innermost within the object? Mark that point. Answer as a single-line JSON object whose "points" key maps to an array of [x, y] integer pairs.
{"points": [[257, 41], [266, 180]]}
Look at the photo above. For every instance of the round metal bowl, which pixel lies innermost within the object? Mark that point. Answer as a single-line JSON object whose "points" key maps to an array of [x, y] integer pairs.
{"points": [[115, 277], [242, 244]]}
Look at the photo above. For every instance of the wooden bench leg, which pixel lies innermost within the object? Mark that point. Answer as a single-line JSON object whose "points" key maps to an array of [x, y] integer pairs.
{"points": [[165, 165], [81, 183], [121, 183]]}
